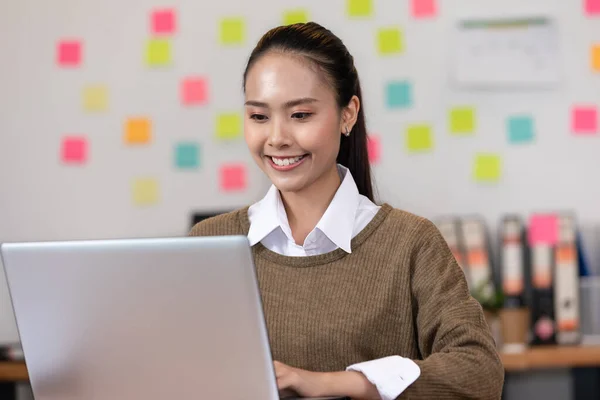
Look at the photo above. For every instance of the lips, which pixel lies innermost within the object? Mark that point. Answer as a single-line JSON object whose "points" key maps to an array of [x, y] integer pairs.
{"points": [[286, 163]]}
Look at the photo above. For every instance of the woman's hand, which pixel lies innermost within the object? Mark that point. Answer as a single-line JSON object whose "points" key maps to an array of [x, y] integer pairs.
{"points": [[322, 384], [303, 383]]}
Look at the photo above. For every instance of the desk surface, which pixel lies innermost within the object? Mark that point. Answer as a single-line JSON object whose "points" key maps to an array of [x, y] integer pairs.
{"points": [[533, 358]]}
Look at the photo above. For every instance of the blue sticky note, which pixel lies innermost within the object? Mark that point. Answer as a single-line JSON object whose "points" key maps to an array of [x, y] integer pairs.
{"points": [[520, 129], [187, 155], [399, 94]]}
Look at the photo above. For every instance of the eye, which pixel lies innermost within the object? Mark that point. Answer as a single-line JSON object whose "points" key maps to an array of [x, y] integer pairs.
{"points": [[258, 117], [301, 115]]}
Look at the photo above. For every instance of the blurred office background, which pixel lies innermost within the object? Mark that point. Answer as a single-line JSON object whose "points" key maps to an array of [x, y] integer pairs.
{"points": [[124, 119]]}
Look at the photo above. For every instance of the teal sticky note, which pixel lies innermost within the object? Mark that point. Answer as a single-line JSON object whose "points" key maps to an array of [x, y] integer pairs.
{"points": [[399, 94], [187, 155], [520, 129]]}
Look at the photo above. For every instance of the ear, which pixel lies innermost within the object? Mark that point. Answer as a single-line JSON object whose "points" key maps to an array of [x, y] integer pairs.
{"points": [[350, 114]]}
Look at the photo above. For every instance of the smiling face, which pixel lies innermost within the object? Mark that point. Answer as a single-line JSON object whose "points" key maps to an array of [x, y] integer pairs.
{"points": [[292, 122]]}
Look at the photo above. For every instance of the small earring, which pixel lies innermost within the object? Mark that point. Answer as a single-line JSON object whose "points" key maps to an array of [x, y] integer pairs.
{"points": [[347, 133]]}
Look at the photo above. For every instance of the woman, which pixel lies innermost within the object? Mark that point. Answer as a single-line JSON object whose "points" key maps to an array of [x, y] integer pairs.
{"points": [[361, 300]]}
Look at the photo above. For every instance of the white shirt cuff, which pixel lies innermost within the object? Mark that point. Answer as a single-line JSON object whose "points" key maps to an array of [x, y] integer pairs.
{"points": [[391, 375]]}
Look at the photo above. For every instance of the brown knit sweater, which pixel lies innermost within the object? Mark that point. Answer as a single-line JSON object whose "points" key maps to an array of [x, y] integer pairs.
{"points": [[400, 292]]}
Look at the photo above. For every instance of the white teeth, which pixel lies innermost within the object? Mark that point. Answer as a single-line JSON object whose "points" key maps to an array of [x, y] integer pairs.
{"points": [[286, 161]]}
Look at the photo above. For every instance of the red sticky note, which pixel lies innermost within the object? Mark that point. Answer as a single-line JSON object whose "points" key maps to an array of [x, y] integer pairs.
{"points": [[163, 21], [584, 120], [194, 91], [424, 8], [74, 150], [69, 53], [592, 7], [543, 229], [374, 149], [233, 177]]}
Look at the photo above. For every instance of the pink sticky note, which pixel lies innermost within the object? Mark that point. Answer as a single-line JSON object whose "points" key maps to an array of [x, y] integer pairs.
{"points": [[584, 120], [374, 149], [163, 21], [74, 150], [69, 53], [233, 177], [592, 7], [543, 229], [424, 8], [194, 91]]}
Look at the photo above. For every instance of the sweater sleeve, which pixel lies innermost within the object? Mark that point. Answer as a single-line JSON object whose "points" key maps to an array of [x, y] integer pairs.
{"points": [[459, 356]]}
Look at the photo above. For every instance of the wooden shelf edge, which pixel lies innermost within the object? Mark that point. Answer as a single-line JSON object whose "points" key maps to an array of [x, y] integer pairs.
{"points": [[13, 371], [545, 357]]}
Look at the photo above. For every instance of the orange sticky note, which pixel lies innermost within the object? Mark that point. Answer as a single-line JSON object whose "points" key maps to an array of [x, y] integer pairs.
{"points": [[584, 120], [595, 57], [68, 53], [194, 91], [374, 148], [424, 8], [137, 131], [233, 177], [74, 150]]}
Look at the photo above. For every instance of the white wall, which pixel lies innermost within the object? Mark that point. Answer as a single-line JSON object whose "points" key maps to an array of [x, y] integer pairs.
{"points": [[42, 200]]}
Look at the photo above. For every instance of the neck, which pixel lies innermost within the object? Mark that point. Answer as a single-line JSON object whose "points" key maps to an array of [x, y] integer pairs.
{"points": [[305, 208]]}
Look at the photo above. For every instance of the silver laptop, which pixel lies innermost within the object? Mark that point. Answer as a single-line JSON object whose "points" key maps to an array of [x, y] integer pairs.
{"points": [[174, 318]]}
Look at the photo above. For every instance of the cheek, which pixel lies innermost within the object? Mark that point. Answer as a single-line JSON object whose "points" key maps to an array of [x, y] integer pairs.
{"points": [[253, 137]]}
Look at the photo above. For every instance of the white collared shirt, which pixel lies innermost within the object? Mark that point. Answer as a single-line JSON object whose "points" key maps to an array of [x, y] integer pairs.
{"points": [[348, 213]]}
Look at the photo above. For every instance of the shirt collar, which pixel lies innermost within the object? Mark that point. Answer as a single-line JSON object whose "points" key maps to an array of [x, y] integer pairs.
{"points": [[337, 223]]}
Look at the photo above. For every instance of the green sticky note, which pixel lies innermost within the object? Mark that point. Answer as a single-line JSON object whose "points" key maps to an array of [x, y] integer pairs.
{"points": [[158, 52], [520, 129], [462, 120], [389, 41], [232, 31], [187, 155], [359, 8], [487, 167], [229, 126], [419, 138], [295, 17]]}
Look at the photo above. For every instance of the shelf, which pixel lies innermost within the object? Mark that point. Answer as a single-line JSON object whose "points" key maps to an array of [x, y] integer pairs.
{"points": [[13, 371], [545, 357]]}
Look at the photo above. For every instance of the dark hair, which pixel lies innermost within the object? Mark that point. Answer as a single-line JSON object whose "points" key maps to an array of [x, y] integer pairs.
{"points": [[328, 52]]}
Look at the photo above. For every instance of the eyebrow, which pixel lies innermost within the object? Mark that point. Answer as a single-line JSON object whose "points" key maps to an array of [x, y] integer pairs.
{"points": [[287, 104]]}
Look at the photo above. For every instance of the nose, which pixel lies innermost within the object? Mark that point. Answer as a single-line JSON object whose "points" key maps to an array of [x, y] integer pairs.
{"points": [[279, 137]]}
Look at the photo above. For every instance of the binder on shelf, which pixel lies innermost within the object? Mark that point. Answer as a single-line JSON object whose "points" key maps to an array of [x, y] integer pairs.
{"points": [[542, 238], [478, 257], [449, 228], [513, 261], [566, 282]]}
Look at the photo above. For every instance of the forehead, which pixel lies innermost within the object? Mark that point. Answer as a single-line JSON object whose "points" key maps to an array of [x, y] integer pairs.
{"points": [[279, 77]]}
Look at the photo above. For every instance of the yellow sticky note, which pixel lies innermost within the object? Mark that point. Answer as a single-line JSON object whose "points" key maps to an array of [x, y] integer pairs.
{"points": [[95, 98], [462, 120], [596, 58], [419, 138], [232, 31], [145, 191], [229, 126], [294, 17], [487, 167], [158, 52], [389, 41], [137, 131], [359, 8]]}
